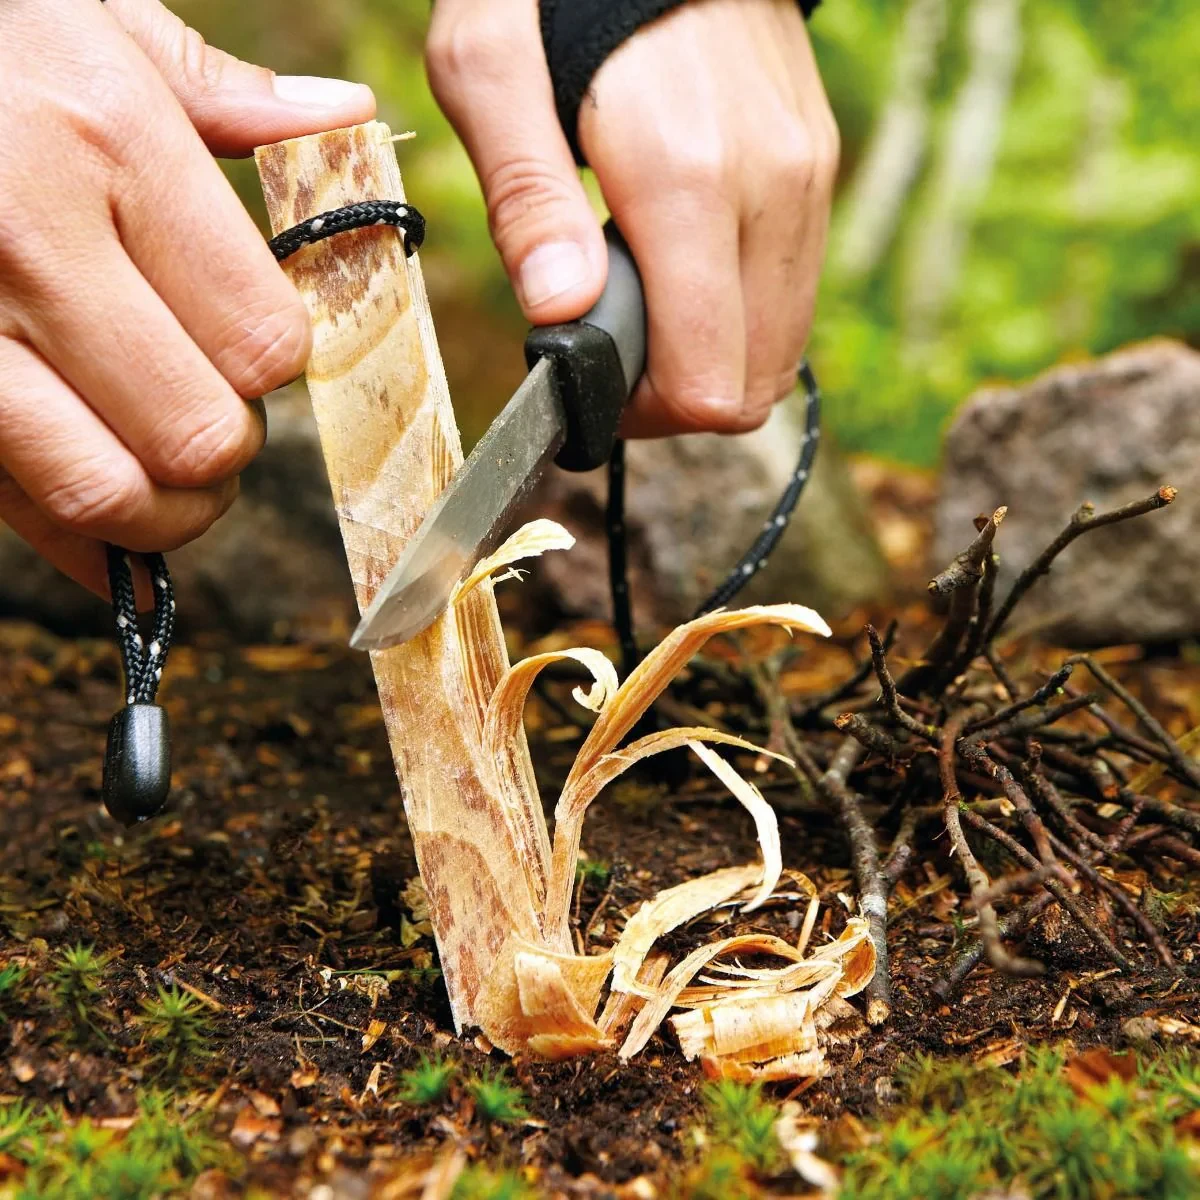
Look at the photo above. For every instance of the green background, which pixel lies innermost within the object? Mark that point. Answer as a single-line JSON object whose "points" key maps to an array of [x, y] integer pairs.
{"points": [[1080, 233]]}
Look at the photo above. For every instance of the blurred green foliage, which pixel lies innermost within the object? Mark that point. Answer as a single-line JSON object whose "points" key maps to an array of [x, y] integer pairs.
{"points": [[1083, 234]]}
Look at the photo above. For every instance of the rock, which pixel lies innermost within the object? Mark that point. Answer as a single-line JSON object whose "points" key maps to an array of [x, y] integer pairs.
{"points": [[694, 505], [1106, 431]]}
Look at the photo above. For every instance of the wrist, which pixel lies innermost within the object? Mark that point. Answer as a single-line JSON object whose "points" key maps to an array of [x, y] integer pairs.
{"points": [[580, 35]]}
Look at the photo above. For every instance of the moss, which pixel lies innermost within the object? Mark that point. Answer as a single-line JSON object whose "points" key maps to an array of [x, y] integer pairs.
{"points": [[479, 1183], [55, 1156], [496, 1099], [742, 1121], [1051, 1130], [75, 982], [176, 1029], [427, 1082]]}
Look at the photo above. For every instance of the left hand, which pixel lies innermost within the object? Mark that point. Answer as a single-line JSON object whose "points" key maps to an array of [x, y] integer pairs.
{"points": [[716, 151]]}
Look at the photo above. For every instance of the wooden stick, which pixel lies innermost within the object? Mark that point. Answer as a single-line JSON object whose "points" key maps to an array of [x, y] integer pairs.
{"points": [[391, 445]]}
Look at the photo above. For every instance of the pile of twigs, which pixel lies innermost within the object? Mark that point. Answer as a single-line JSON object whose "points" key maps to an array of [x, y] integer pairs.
{"points": [[1059, 802]]}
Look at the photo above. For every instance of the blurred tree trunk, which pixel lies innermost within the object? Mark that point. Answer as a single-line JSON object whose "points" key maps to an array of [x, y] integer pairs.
{"points": [[964, 166], [893, 157]]}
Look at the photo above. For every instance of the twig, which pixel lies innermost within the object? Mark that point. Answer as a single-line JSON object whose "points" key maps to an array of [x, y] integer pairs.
{"points": [[1166, 844], [1122, 898], [872, 738], [983, 613], [1049, 795], [960, 581], [1051, 687], [968, 960], [901, 852], [1082, 522], [861, 674], [1185, 765], [891, 697], [953, 808], [1001, 672], [975, 754], [1030, 722], [1184, 818], [1023, 856], [1019, 882], [872, 890]]}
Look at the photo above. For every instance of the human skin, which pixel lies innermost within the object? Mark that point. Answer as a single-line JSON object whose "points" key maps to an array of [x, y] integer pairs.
{"points": [[141, 312], [715, 148], [140, 308]]}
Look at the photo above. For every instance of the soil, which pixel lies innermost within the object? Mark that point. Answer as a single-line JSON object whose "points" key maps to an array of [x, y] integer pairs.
{"points": [[273, 887]]}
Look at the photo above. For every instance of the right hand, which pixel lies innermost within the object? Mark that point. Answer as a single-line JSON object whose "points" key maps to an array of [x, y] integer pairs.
{"points": [[140, 308]]}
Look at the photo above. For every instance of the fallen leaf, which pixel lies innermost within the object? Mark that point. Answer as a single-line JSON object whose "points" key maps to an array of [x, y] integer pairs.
{"points": [[1097, 1066], [250, 1128]]}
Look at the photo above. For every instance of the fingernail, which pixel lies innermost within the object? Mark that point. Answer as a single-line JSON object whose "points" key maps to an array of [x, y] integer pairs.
{"points": [[313, 91], [551, 270]]}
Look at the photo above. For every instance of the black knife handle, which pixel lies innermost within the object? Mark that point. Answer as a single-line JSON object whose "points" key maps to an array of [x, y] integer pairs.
{"points": [[597, 360]]}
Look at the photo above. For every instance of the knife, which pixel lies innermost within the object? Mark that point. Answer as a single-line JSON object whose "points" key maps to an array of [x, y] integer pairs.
{"points": [[581, 375]]}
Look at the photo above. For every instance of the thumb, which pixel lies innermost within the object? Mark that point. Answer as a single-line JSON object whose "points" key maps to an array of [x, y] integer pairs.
{"points": [[236, 106], [488, 71]]}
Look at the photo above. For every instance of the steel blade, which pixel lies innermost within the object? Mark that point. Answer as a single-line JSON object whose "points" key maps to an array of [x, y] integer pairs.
{"points": [[471, 517]]}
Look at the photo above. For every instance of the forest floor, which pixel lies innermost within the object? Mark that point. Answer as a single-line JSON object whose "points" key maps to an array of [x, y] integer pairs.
{"points": [[257, 999]]}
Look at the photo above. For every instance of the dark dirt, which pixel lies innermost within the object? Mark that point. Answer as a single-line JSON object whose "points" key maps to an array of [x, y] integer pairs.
{"points": [[274, 884]]}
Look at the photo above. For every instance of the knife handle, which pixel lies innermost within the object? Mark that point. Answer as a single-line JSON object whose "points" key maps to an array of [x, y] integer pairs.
{"points": [[597, 360]]}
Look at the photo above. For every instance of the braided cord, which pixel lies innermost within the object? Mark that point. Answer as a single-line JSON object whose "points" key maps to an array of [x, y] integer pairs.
{"points": [[363, 215], [753, 561], [142, 662]]}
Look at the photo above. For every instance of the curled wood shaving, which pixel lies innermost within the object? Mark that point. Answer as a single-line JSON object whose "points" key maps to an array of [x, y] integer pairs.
{"points": [[530, 541], [750, 1022], [765, 822]]}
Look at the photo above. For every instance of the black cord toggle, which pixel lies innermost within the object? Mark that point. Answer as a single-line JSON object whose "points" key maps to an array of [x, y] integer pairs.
{"points": [[137, 760]]}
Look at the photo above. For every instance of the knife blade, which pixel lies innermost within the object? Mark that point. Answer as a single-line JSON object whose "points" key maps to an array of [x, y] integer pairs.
{"points": [[581, 376]]}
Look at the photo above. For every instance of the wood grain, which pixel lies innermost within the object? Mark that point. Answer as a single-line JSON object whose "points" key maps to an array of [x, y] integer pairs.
{"points": [[391, 445]]}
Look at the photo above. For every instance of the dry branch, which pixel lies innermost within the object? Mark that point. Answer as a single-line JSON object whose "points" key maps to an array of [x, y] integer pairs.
{"points": [[1082, 522]]}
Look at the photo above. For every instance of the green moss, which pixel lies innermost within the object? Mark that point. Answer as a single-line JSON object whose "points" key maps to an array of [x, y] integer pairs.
{"points": [[719, 1175], [591, 870], [478, 1183], [176, 1028], [63, 1159], [75, 983], [967, 1130], [427, 1082], [11, 979], [742, 1121], [496, 1099]]}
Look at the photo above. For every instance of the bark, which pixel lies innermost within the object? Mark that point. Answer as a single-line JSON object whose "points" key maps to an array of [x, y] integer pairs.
{"points": [[391, 445]]}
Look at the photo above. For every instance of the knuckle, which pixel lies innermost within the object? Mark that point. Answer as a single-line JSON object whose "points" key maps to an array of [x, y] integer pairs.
{"points": [[200, 69], [520, 190], [261, 355], [95, 501], [698, 169], [460, 52], [795, 162], [208, 455]]}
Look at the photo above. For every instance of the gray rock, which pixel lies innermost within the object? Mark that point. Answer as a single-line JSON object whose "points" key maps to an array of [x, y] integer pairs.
{"points": [[1107, 431], [694, 505]]}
